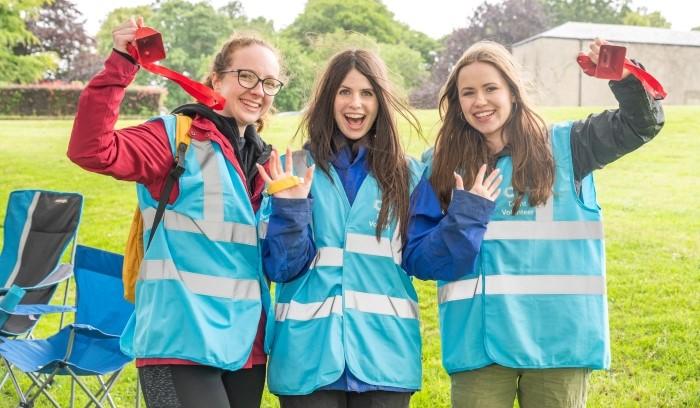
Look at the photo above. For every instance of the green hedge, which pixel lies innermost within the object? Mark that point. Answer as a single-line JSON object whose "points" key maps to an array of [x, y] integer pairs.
{"points": [[62, 100]]}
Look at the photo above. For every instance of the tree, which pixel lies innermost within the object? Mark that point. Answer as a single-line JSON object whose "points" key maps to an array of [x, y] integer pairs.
{"points": [[192, 35], [374, 20], [326, 16], [59, 27], [506, 23], [20, 68], [641, 17], [113, 19], [587, 11]]}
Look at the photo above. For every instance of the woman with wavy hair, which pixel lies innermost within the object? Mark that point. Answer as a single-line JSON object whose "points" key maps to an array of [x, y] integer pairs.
{"points": [[201, 298], [529, 316], [346, 330]]}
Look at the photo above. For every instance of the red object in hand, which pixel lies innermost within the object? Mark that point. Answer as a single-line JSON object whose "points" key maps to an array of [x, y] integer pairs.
{"points": [[612, 63], [149, 49], [149, 45]]}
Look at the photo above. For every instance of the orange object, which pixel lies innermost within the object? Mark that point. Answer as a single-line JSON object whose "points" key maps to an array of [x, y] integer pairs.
{"points": [[283, 184]]}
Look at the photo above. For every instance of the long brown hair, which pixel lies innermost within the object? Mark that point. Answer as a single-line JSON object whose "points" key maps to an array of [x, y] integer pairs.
{"points": [[385, 156], [461, 148], [224, 59]]}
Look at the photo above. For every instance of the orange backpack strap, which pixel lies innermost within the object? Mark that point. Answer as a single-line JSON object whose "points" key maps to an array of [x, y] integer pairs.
{"points": [[134, 251]]}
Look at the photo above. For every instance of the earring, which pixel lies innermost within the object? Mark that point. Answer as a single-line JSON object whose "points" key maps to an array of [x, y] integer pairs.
{"points": [[461, 115]]}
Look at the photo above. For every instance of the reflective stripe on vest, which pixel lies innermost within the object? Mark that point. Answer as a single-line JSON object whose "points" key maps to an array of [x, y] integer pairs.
{"points": [[360, 301], [262, 229], [523, 285], [544, 227], [308, 311], [381, 304], [222, 231], [358, 244], [219, 286]]}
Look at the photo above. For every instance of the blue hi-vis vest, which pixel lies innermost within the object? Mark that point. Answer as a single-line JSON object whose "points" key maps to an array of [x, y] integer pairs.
{"points": [[354, 306], [538, 299], [200, 288]]}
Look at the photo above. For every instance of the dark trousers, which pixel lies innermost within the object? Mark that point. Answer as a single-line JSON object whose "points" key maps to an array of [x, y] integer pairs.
{"points": [[342, 399], [190, 386]]}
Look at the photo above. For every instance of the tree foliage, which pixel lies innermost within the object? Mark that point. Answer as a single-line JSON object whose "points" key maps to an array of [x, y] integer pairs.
{"points": [[642, 17], [13, 33], [507, 22], [328, 26], [59, 28], [327, 16], [192, 35], [588, 11]]}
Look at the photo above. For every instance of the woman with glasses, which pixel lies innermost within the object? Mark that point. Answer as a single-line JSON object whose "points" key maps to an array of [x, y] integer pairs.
{"points": [[201, 299]]}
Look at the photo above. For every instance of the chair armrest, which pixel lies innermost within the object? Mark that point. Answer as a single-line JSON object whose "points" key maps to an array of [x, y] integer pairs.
{"points": [[58, 275], [92, 331], [28, 310]]}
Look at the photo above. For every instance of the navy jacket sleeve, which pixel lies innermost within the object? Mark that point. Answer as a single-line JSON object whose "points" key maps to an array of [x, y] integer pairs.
{"points": [[444, 246], [288, 248]]}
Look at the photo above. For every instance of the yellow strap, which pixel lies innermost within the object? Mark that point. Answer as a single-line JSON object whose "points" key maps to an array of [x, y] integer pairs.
{"points": [[133, 253], [182, 130], [283, 184]]}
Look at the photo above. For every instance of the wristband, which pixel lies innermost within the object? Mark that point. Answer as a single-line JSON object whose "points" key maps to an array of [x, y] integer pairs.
{"points": [[283, 184]]}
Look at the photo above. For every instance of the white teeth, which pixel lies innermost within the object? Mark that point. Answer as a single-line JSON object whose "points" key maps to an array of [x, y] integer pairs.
{"points": [[354, 115], [483, 114], [251, 104]]}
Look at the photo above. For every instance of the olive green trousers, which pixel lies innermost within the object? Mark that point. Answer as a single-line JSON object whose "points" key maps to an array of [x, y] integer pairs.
{"points": [[496, 386]]}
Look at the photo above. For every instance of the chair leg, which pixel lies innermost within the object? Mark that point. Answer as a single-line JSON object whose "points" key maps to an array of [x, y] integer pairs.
{"points": [[105, 389], [72, 392], [42, 389], [85, 389], [4, 379], [18, 390], [138, 392]]}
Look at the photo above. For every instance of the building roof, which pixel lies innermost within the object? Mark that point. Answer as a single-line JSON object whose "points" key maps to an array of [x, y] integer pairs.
{"points": [[620, 34]]}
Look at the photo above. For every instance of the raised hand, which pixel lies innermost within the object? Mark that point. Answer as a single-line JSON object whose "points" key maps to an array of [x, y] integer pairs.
{"points": [[277, 173], [486, 188], [125, 33], [595, 52]]}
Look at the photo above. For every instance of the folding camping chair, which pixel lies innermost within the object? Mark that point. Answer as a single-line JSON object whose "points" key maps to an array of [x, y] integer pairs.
{"points": [[39, 226], [88, 347]]}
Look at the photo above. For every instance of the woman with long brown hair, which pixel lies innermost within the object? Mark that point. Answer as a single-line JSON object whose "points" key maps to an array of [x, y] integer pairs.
{"points": [[201, 298], [529, 316], [346, 330]]}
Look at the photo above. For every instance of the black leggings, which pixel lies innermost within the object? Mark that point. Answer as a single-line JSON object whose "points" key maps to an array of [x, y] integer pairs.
{"points": [[194, 386], [342, 399]]}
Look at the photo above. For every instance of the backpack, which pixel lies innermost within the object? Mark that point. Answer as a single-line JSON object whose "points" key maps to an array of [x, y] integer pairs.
{"points": [[134, 251]]}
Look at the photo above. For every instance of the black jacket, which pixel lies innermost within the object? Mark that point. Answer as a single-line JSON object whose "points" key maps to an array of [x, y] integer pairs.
{"points": [[602, 138]]}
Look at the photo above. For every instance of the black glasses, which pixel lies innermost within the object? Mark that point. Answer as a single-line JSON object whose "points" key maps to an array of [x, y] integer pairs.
{"points": [[249, 79]]}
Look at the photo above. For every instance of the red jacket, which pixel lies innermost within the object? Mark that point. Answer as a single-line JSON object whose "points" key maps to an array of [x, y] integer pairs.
{"points": [[140, 153]]}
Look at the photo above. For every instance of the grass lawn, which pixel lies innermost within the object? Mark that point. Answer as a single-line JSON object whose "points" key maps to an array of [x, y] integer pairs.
{"points": [[653, 244]]}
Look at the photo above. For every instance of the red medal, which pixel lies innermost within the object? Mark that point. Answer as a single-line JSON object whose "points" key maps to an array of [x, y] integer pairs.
{"points": [[612, 61], [149, 49]]}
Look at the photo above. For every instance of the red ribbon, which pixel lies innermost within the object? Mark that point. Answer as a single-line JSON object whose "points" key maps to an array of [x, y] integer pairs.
{"points": [[651, 84], [155, 51]]}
